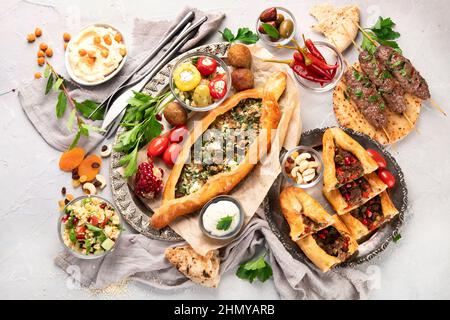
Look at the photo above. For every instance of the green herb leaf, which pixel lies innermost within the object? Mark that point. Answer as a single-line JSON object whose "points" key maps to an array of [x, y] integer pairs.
{"points": [[358, 93], [271, 31], [382, 106], [131, 168], [84, 130], [246, 36], [227, 35], [93, 228], [71, 119], [61, 105], [358, 76], [373, 98], [92, 128], [87, 243], [397, 237], [47, 71], [258, 268], [224, 223], [87, 107], [383, 33], [49, 85], [72, 235], [75, 140], [57, 84]]}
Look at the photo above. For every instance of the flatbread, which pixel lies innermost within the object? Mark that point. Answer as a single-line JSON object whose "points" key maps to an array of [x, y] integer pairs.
{"points": [[338, 24], [348, 115], [203, 270]]}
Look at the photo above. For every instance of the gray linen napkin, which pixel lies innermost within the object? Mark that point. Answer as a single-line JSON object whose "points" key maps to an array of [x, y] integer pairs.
{"points": [[142, 259], [40, 109]]}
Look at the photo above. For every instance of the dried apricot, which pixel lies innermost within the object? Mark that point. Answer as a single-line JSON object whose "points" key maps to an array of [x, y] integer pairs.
{"points": [[82, 52], [97, 40], [107, 39], [38, 32], [90, 167], [71, 159], [49, 52], [91, 54], [37, 75], [41, 61], [123, 52], [105, 53], [31, 37], [66, 37], [43, 46], [118, 37], [40, 54]]}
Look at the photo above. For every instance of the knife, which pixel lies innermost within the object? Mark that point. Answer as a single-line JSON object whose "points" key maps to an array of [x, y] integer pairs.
{"points": [[122, 101]]}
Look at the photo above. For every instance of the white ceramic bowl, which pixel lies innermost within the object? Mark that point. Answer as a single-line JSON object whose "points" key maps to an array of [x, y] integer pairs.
{"points": [[109, 76]]}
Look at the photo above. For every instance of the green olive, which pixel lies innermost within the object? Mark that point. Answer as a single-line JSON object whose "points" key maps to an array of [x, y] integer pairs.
{"points": [[201, 96], [280, 19], [286, 28]]}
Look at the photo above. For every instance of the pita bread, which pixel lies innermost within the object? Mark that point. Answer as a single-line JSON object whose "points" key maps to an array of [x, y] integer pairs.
{"points": [[338, 24], [348, 115], [203, 270]]}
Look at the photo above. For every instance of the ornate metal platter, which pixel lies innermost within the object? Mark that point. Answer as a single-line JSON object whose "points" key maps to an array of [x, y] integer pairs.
{"points": [[377, 241], [129, 205]]}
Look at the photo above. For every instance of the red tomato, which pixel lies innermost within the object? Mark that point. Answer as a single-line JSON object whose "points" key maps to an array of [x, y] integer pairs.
{"points": [[94, 221], [80, 231], [104, 222], [178, 133], [387, 177], [171, 154], [377, 157], [218, 87], [206, 66], [157, 146]]}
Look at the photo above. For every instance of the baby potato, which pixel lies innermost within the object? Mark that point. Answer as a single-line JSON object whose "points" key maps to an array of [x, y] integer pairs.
{"points": [[201, 96], [239, 56], [242, 79], [175, 114]]}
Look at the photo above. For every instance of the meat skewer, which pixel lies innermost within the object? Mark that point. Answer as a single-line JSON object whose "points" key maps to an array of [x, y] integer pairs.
{"points": [[403, 70]]}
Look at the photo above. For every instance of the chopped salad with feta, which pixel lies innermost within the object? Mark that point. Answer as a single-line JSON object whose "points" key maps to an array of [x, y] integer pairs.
{"points": [[90, 226]]}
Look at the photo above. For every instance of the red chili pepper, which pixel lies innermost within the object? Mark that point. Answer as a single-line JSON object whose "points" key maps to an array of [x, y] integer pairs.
{"points": [[304, 73], [206, 66], [298, 57], [218, 87], [314, 51], [319, 72]]}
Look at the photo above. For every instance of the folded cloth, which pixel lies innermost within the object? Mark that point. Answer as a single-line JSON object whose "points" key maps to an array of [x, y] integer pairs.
{"points": [[40, 109], [142, 259]]}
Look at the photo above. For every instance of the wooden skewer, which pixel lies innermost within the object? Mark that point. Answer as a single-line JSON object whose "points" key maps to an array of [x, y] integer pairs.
{"points": [[376, 44]]}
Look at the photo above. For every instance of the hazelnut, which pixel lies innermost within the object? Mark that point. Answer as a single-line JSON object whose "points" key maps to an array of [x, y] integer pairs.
{"points": [[38, 32]]}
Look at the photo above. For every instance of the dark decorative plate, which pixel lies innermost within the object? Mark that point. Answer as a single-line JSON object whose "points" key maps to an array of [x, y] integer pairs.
{"points": [[377, 241], [129, 205]]}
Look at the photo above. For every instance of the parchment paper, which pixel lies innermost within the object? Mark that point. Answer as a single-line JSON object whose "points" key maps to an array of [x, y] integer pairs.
{"points": [[252, 190]]}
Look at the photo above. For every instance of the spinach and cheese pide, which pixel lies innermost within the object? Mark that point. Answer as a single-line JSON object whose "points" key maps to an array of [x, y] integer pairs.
{"points": [[221, 150], [222, 147]]}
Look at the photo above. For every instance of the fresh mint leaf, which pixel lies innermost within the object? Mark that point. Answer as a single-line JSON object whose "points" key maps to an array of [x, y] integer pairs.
{"points": [[61, 105], [49, 84], [227, 35], [271, 31], [87, 107], [224, 223]]}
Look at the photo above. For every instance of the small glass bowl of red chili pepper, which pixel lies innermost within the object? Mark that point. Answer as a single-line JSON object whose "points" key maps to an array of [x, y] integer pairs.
{"points": [[323, 70], [200, 81], [276, 26]]}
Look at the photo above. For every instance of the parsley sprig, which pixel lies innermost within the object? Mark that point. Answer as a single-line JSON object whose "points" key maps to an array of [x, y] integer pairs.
{"points": [[383, 33], [244, 35], [56, 83], [257, 268], [224, 223]]}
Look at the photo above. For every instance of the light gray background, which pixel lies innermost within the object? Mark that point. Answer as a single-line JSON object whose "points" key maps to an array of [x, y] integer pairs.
{"points": [[30, 182]]}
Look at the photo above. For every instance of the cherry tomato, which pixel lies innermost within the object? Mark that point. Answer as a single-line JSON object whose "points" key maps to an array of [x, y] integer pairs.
{"points": [[94, 221], [171, 154], [377, 157], [81, 232], [178, 134], [387, 177], [157, 146], [218, 87], [104, 222], [206, 66]]}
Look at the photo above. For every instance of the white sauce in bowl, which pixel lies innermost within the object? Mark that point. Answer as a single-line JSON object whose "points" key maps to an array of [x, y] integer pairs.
{"points": [[218, 210]]}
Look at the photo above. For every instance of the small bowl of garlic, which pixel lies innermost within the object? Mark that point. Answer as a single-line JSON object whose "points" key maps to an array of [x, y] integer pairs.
{"points": [[302, 166]]}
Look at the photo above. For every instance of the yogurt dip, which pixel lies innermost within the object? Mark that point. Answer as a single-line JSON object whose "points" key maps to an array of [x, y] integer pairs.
{"points": [[95, 53], [221, 218]]}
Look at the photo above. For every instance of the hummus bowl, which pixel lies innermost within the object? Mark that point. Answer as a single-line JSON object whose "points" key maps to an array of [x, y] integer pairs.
{"points": [[96, 54]]}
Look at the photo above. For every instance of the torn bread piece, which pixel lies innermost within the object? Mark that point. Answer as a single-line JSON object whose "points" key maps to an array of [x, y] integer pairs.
{"points": [[303, 213], [338, 24], [203, 270]]}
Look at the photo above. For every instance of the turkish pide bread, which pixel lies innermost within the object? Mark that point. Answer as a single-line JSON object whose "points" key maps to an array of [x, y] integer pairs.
{"points": [[203, 270], [329, 246], [337, 137], [341, 205], [360, 223], [196, 193], [302, 212], [338, 24], [348, 115]]}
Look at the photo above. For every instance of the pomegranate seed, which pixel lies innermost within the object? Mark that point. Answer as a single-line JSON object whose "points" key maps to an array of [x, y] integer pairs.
{"points": [[103, 205], [369, 213], [347, 160], [365, 222], [158, 117]]}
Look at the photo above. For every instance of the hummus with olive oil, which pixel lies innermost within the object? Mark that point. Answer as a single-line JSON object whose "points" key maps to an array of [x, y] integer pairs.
{"points": [[95, 53]]}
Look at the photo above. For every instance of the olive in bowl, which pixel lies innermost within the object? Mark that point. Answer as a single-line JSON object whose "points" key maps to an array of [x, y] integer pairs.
{"points": [[276, 26]]}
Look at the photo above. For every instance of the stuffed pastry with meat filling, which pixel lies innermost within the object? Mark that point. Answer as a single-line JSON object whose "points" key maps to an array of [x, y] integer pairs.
{"points": [[370, 216], [212, 162], [330, 246], [355, 193], [303, 213], [344, 159]]}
